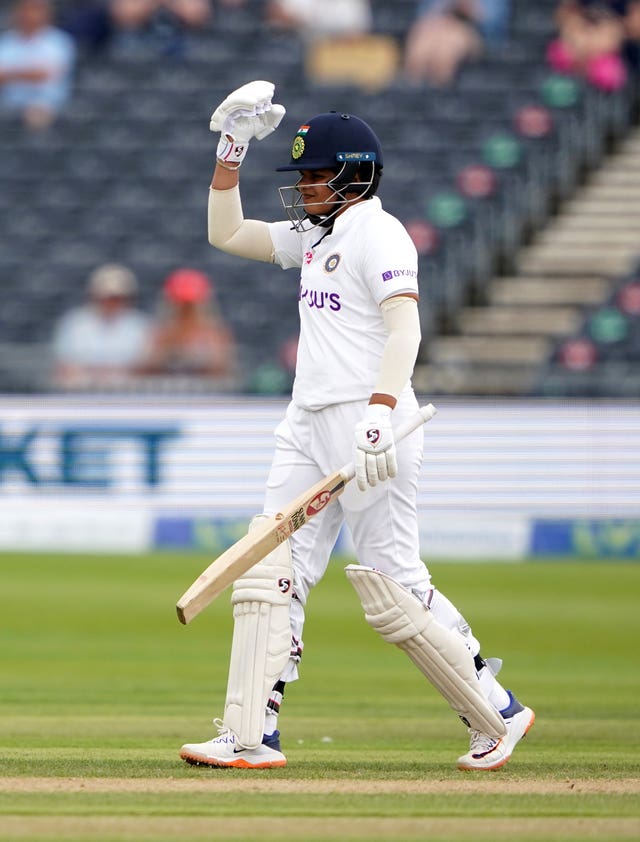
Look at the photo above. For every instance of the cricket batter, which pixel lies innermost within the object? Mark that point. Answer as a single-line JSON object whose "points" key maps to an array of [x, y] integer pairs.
{"points": [[359, 338]]}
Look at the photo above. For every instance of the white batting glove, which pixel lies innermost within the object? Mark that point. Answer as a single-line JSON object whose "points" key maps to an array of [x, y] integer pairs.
{"points": [[246, 113], [375, 458]]}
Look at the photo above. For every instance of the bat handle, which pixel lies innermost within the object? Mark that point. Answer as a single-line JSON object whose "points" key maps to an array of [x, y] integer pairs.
{"points": [[424, 414]]}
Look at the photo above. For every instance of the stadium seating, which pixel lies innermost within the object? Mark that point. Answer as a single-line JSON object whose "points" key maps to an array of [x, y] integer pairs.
{"points": [[601, 356], [475, 171]]}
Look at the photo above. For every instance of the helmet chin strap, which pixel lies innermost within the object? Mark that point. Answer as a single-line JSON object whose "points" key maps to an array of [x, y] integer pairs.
{"points": [[320, 221], [326, 220]]}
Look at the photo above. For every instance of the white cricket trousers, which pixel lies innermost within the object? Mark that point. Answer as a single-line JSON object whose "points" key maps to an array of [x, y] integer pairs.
{"points": [[382, 520]]}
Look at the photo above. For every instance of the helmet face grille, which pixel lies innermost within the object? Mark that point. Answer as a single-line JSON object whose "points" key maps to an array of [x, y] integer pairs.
{"points": [[341, 184]]}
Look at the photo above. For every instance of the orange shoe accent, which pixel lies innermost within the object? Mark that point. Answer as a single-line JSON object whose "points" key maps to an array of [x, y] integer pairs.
{"points": [[240, 763]]}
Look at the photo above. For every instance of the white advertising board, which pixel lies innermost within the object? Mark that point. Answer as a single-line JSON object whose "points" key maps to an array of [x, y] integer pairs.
{"points": [[106, 473]]}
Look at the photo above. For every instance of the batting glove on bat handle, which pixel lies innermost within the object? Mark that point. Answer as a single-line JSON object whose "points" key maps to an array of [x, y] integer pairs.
{"points": [[246, 113], [375, 459]]}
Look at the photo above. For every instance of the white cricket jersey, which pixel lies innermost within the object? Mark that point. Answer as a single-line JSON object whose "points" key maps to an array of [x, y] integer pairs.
{"points": [[344, 278]]}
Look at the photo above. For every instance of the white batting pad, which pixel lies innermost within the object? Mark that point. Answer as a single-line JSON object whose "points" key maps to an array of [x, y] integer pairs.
{"points": [[401, 618], [261, 642]]}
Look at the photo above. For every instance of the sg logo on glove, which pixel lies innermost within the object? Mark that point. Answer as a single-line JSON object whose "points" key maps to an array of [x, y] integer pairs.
{"points": [[373, 436]]}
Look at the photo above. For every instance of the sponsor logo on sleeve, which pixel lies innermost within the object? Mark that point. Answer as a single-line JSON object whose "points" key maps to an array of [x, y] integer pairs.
{"points": [[399, 273]]}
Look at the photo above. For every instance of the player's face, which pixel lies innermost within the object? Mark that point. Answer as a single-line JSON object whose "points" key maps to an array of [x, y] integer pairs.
{"points": [[313, 196], [317, 196]]}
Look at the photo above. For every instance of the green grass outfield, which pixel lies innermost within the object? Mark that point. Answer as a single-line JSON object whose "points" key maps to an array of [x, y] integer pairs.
{"points": [[100, 685]]}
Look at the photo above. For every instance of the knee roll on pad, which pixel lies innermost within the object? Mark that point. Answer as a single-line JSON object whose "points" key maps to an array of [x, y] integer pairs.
{"points": [[261, 642], [439, 653]]}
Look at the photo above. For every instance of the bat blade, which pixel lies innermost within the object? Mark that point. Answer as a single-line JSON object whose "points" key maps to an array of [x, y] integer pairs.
{"points": [[257, 544], [268, 533]]}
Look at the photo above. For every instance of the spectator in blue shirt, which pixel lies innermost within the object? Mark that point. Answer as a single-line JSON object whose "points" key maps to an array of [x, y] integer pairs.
{"points": [[36, 64]]}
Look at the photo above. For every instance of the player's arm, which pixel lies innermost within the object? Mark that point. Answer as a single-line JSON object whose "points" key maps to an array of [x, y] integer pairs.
{"points": [[375, 458], [229, 230], [402, 321], [246, 113]]}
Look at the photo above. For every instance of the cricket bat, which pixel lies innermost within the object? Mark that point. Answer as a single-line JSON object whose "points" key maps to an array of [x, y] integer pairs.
{"points": [[270, 532]]}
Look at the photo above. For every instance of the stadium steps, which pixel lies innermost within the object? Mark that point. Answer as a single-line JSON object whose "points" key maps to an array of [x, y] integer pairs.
{"points": [[509, 350], [502, 346], [601, 257], [549, 291], [482, 365], [522, 321], [484, 380]]}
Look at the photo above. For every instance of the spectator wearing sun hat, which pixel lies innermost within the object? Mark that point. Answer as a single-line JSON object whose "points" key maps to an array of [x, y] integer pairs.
{"points": [[102, 341], [190, 336]]}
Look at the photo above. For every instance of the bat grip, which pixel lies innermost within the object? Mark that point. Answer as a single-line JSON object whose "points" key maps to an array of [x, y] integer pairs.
{"points": [[424, 414]]}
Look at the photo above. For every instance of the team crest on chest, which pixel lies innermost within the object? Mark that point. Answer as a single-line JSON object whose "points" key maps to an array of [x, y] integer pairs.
{"points": [[331, 263]]}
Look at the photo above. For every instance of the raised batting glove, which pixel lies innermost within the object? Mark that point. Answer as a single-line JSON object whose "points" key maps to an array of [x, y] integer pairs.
{"points": [[375, 458], [246, 113]]}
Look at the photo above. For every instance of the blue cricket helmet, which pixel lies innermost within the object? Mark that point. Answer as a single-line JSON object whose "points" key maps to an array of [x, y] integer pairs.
{"points": [[328, 141]]}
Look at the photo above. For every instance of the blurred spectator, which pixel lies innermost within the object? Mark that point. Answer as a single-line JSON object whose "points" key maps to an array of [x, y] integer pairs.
{"points": [[191, 15], [340, 46], [631, 45], [138, 27], [88, 22], [104, 340], [313, 19], [157, 27], [447, 33], [36, 64], [190, 336], [186, 20], [597, 39]]}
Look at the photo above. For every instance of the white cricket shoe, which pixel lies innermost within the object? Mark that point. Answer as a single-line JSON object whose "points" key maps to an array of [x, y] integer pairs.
{"points": [[485, 752], [224, 750]]}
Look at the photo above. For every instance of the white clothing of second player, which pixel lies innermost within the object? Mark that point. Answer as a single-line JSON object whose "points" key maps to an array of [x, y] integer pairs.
{"points": [[345, 276]]}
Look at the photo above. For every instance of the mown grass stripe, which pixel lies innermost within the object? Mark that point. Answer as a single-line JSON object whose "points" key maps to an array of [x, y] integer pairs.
{"points": [[267, 804]]}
